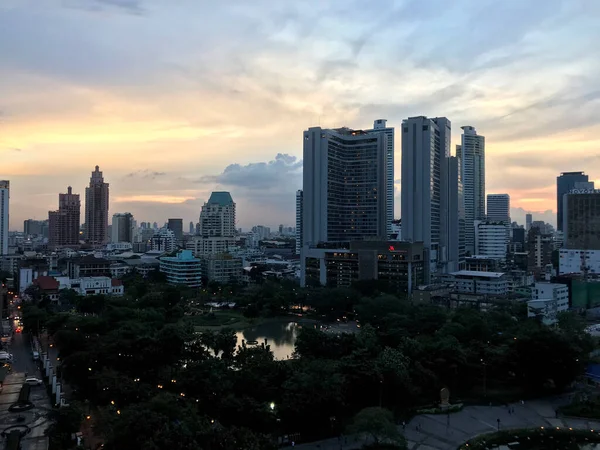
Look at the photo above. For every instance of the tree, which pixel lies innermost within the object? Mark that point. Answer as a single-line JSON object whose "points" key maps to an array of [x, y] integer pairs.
{"points": [[65, 422], [378, 423]]}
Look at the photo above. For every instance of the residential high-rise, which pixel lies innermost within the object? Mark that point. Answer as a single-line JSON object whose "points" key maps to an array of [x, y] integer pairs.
{"points": [[176, 225], [96, 209], [379, 126], [122, 227], [452, 219], [564, 183], [491, 239], [471, 155], [4, 215], [32, 227], [192, 228], [217, 218], [528, 221], [344, 185], [63, 224], [425, 188], [299, 236]]}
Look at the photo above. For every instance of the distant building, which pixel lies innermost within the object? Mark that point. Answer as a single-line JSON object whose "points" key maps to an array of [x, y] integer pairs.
{"points": [[164, 241], [581, 220], [471, 156], [491, 239], [498, 208], [474, 282], [401, 265], [64, 224], [216, 228], [96, 210], [176, 225], [192, 228], [547, 301], [98, 286], [528, 221], [4, 215], [539, 250], [88, 266], [564, 184], [122, 228], [183, 269], [33, 227], [575, 261]]}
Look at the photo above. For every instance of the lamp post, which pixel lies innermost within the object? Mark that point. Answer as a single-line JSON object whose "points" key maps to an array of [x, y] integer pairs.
{"points": [[484, 378]]}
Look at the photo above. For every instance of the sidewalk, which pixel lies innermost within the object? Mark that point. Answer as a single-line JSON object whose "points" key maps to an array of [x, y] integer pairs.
{"points": [[447, 432]]}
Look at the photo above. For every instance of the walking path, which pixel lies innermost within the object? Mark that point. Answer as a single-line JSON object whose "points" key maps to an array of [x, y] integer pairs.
{"points": [[447, 432]]}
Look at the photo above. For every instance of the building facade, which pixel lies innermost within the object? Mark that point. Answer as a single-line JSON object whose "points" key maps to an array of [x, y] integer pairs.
{"points": [[401, 265], [528, 221], [380, 126], [299, 214], [471, 156], [64, 224], [574, 261], [430, 185], [474, 282], [176, 225], [581, 220], [123, 227], [96, 209], [4, 215], [539, 250], [164, 241], [223, 268], [344, 184], [217, 218], [33, 227], [498, 208], [565, 182], [182, 269], [491, 239], [547, 301]]}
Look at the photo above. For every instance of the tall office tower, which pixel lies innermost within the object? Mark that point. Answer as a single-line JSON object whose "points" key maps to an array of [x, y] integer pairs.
{"points": [[425, 180], [4, 215], [581, 220], [176, 225], [528, 221], [564, 183], [123, 227], [63, 224], [192, 228], [498, 208], [217, 218], [452, 220], [344, 185], [299, 235], [379, 126], [471, 155], [96, 210]]}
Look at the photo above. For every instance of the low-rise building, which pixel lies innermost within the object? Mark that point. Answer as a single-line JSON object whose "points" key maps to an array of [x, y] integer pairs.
{"points": [[88, 266], [223, 268], [183, 269], [98, 286], [547, 301], [399, 264], [48, 286], [475, 282]]}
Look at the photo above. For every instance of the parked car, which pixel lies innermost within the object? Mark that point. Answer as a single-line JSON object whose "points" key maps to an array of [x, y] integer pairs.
{"points": [[35, 355], [32, 381]]}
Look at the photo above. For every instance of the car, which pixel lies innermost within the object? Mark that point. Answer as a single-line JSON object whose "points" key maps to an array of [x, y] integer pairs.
{"points": [[35, 355], [32, 381]]}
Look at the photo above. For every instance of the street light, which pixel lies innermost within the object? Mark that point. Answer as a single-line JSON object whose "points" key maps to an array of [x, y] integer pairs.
{"points": [[272, 406]]}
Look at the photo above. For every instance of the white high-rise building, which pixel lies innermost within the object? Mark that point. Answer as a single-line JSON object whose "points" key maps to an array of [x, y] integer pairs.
{"points": [[216, 228], [4, 215], [491, 239], [471, 156], [299, 235], [379, 126], [426, 197], [344, 185]]}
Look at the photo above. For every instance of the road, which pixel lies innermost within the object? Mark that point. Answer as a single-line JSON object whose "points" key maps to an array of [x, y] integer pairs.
{"points": [[36, 419]]}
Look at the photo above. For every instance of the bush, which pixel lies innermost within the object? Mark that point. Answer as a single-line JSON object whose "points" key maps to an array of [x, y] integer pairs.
{"points": [[451, 409]]}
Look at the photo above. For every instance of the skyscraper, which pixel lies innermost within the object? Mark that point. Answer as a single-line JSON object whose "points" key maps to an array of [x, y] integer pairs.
{"points": [[344, 185], [96, 210], [471, 156], [192, 228], [379, 126], [63, 224], [425, 184], [564, 183], [299, 235], [122, 229], [581, 220], [498, 208], [4, 215], [176, 225], [528, 221]]}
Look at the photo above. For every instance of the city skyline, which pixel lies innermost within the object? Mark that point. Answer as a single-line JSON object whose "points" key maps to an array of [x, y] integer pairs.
{"points": [[136, 104]]}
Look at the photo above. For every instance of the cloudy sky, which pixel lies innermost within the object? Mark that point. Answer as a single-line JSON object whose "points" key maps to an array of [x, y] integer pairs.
{"points": [[174, 99]]}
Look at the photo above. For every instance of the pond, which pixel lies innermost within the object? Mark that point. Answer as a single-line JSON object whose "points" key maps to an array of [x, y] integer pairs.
{"points": [[281, 336]]}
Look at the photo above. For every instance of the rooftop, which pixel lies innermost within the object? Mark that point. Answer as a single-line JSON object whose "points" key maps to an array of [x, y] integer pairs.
{"points": [[46, 283], [183, 255], [221, 198], [477, 273]]}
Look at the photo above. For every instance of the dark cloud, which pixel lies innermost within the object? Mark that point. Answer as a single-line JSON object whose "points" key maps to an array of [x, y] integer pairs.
{"points": [[145, 174], [275, 174]]}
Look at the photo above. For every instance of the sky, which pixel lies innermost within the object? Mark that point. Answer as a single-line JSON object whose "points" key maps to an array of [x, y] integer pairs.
{"points": [[175, 99]]}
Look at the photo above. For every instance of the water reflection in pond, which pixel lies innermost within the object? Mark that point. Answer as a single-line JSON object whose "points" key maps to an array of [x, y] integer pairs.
{"points": [[281, 336]]}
